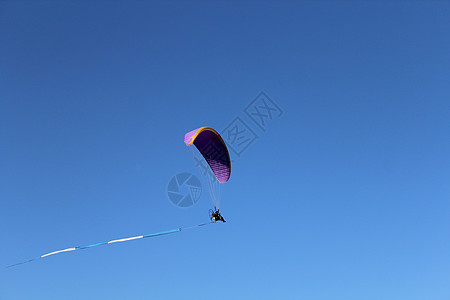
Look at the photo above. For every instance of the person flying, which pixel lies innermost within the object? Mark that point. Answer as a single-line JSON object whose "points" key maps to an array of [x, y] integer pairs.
{"points": [[216, 216]]}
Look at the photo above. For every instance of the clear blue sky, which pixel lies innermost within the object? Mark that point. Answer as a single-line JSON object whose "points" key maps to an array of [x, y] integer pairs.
{"points": [[345, 196]]}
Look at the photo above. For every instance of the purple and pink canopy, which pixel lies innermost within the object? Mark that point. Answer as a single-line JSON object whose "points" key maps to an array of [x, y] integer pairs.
{"points": [[211, 146]]}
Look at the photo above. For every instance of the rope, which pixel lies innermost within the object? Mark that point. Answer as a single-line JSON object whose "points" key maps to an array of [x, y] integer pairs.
{"points": [[209, 179], [110, 242]]}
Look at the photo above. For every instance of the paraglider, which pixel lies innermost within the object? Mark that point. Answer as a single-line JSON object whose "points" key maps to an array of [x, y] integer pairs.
{"points": [[211, 146], [214, 151]]}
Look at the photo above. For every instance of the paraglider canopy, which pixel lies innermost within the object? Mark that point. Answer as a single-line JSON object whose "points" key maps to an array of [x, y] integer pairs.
{"points": [[212, 147]]}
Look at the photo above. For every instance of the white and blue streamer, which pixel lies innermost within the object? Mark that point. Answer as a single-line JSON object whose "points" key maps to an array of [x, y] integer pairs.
{"points": [[110, 242]]}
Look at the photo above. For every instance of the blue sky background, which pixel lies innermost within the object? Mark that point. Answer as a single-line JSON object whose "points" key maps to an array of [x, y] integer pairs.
{"points": [[345, 196]]}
